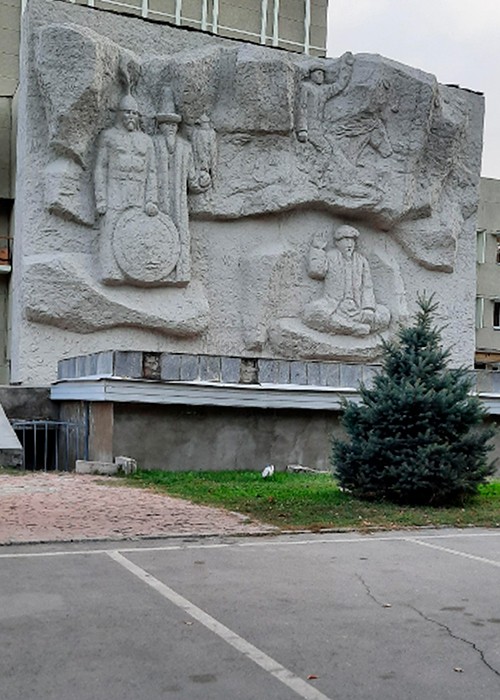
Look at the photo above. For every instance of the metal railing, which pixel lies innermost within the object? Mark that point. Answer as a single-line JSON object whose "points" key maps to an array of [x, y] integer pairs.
{"points": [[210, 20], [50, 445]]}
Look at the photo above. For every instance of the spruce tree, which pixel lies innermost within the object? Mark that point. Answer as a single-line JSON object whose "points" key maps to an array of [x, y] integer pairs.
{"points": [[417, 436]]}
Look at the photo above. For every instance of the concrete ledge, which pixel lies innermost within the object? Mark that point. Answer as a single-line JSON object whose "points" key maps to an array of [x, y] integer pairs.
{"points": [[214, 369]]}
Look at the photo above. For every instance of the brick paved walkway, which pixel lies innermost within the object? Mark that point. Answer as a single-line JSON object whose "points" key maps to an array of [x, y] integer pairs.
{"points": [[48, 507]]}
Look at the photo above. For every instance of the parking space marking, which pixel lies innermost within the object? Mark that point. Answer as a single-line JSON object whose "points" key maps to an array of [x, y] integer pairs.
{"points": [[295, 683], [357, 539], [456, 552]]}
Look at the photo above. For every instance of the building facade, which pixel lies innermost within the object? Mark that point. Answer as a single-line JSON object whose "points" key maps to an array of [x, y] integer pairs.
{"points": [[10, 14], [488, 275], [295, 25]]}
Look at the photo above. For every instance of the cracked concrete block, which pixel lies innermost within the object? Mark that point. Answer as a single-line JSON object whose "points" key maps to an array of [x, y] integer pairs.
{"points": [[298, 373], [283, 372], [268, 371], [189, 368], [128, 364], [330, 374], [350, 375], [369, 372], [170, 367], [105, 363], [92, 364], [210, 368], [313, 373], [230, 369]]}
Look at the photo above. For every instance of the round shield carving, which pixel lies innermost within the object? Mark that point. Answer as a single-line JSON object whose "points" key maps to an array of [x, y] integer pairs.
{"points": [[146, 248]]}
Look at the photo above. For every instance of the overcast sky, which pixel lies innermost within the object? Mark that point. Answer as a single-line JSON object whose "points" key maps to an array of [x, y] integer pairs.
{"points": [[456, 40]]}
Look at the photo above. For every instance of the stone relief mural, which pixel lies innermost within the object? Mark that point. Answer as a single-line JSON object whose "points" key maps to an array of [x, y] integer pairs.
{"points": [[150, 150]]}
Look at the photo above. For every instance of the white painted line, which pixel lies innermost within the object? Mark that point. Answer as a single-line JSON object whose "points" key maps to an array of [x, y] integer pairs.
{"points": [[456, 552], [238, 543], [299, 686]]}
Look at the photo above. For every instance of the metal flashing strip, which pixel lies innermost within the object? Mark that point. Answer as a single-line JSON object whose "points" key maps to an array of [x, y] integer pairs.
{"points": [[202, 394], [198, 393], [491, 402]]}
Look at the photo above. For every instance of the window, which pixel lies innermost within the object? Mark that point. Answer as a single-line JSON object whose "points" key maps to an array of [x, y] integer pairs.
{"points": [[496, 315], [481, 246], [479, 312]]}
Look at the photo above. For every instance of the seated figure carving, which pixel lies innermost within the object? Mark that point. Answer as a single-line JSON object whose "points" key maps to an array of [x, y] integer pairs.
{"points": [[348, 305]]}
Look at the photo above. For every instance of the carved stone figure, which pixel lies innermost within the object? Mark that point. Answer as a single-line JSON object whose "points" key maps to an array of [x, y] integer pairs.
{"points": [[204, 140], [348, 306], [313, 96], [367, 128], [125, 173], [177, 175], [138, 244]]}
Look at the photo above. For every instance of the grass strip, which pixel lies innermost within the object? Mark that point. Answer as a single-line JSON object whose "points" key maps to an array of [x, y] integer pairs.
{"points": [[304, 501]]}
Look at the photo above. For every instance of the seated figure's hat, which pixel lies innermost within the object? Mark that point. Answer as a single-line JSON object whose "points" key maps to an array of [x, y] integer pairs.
{"points": [[345, 232]]}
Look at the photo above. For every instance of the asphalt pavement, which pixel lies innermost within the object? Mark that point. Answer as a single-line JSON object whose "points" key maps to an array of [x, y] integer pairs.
{"points": [[389, 616]]}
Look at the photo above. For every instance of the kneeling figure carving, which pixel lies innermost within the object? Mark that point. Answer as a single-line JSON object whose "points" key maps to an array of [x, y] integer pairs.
{"points": [[348, 305]]}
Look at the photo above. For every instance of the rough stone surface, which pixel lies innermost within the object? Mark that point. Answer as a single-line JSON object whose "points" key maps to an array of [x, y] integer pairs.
{"points": [[186, 193], [28, 403], [46, 507]]}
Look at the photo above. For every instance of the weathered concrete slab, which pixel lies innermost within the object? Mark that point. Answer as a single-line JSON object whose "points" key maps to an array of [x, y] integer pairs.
{"points": [[11, 451]]}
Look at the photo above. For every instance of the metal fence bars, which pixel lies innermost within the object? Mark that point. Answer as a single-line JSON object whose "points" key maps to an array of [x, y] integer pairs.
{"points": [[50, 445]]}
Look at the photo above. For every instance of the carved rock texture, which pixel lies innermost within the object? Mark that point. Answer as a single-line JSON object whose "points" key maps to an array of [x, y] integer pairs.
{"points": [[61, 295], [251, 152]]}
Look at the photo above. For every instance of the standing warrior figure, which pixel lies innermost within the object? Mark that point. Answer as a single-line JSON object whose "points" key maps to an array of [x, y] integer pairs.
{"points": [[125, 183], [177, 174], [313, 96], [125, 172]]}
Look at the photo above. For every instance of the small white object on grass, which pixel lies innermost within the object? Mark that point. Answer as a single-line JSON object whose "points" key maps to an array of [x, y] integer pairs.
{"points": [[268, 471]]}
